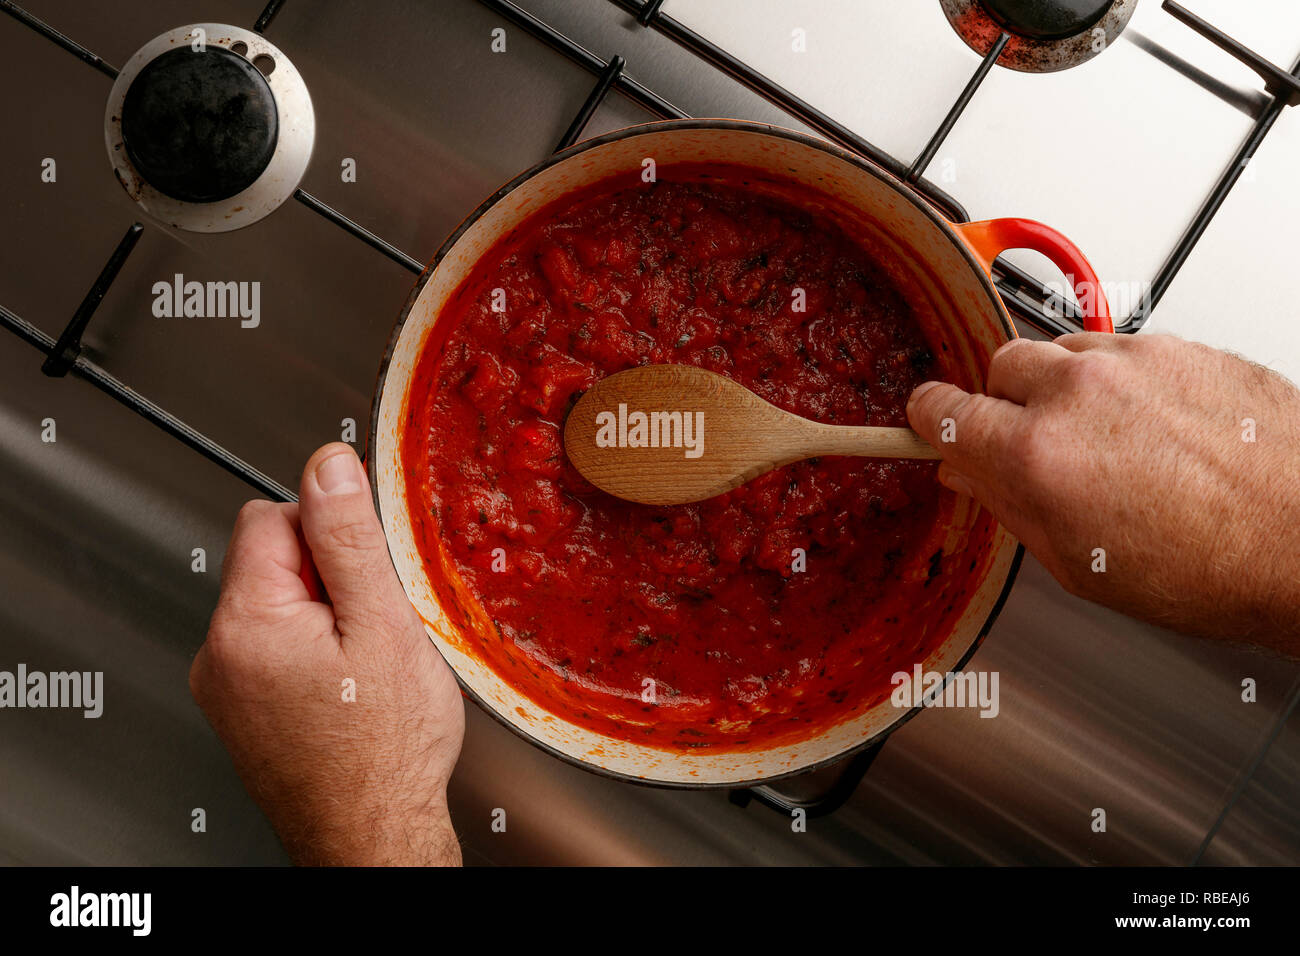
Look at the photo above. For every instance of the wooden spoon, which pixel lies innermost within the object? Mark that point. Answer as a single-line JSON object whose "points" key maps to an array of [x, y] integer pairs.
{"points": [[669, 434]]}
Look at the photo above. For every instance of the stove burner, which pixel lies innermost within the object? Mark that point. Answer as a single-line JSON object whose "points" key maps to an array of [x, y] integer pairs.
{"points": [[211, 135], [200, 126], [1046, 35], [1047, 19]]}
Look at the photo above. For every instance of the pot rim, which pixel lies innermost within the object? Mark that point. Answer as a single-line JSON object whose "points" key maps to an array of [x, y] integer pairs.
{"points": [[649, 128]]}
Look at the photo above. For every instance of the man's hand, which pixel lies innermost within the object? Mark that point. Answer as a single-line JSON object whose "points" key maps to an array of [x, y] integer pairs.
{"points": [[346, 781], [1180, 462]]}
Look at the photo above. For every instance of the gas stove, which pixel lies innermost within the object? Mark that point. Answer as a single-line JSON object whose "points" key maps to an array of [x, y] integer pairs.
{"points": [[220, 246]]}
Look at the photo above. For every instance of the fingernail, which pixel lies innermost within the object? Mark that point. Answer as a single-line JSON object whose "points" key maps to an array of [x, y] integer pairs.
{"points": [[339, 474], [955, 482]]}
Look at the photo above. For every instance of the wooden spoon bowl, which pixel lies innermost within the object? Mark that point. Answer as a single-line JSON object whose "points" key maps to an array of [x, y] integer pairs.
{"points": [[671, 434]]}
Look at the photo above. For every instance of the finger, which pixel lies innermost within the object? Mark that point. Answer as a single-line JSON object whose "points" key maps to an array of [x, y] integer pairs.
{"points": [[264, 559], [308, 573], [1006, 507], [972, 432], [1022, 369], [347, 543], [954, 480], [1087, 341]]}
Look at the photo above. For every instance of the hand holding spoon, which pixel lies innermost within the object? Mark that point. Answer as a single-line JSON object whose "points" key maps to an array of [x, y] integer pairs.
{"points": [[669, 434]]}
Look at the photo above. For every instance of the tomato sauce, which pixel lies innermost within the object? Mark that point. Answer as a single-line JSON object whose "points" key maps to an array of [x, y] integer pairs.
{"points": [[749, 620]]}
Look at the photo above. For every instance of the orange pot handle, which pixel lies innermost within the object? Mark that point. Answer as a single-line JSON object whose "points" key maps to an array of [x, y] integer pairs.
{"points": [[992, 237]]}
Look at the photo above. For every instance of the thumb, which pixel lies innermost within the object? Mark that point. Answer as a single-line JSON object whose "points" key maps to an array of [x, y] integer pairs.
{"points": [[347, 543]]}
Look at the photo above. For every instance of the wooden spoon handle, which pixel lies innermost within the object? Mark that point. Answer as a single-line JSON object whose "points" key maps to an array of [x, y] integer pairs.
{"points": [[869, 441]]}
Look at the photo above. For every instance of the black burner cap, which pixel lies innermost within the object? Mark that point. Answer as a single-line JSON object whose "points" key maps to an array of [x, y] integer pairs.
{"points": [[199, 126], [1047, 19]]}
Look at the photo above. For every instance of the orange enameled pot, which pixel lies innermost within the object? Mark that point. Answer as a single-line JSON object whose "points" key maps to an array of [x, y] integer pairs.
{"points": [[943, 268]]}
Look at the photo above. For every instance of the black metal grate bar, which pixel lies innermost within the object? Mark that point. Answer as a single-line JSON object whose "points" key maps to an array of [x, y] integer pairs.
{"points": [[1278, 82], [268, 14], [1014, 283], [1192, 235], [649, 11], [155, 414], [608, 77], [652, 102], [927, 155], [361, 232], [68, 347], [54, 36]]}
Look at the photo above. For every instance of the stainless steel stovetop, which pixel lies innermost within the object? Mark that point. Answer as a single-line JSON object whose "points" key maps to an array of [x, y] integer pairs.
{"points": [[97, 529]]}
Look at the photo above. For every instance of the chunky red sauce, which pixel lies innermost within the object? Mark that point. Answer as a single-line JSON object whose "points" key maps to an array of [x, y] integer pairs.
{"points": [[590, 595]]}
